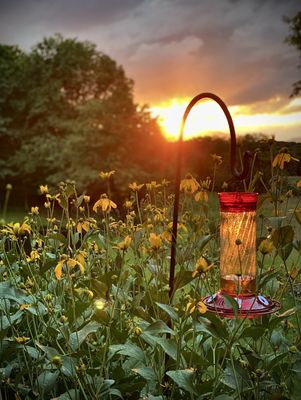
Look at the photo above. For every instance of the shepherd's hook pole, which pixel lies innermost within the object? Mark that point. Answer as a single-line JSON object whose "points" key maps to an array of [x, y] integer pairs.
{"points": [[238, 175]]}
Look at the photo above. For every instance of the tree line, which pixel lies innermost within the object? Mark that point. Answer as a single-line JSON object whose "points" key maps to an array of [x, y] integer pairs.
{"points": [[67, 111]]}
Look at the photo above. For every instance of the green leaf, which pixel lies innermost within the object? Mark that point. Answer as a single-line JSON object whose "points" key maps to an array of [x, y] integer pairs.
{"points": [[282, 236], [297, 214], [68, 367], [147, 373], [285, 251], [272, 360], [169, 346], [254, 331], [100, 287], [50, 351], [77, 338], [46, 380], [7, 291], [63, 202], [230, 302], [71, 394], [203, 241], [184, 379], [14, 319], [58, 237], [265, 278], [213, 325], [237, 376], [182, 278], [32, 352], [158, 327], [169, 310], [129, 350]]}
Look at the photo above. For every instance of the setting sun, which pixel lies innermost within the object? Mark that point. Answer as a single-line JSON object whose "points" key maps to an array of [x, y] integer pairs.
{"points": [[206, 118]]}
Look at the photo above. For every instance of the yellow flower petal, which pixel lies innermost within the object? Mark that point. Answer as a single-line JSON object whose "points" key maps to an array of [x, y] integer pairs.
{"points": [[58, 270], [155, 241], [201, 307]]}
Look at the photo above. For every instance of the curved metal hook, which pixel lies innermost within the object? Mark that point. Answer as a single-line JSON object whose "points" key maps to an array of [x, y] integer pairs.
{"points": [[238, 175]]}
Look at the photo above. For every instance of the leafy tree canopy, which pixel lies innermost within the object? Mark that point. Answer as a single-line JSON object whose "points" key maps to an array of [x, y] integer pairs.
{"points": [[294, 39], [67, 112]]}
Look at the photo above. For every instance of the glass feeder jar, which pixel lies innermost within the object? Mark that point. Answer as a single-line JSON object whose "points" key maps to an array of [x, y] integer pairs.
{"points": [[238, 243]]}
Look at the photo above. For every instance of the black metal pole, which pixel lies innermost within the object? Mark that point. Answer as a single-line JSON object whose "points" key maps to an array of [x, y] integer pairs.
{"points": [[238, 175]]}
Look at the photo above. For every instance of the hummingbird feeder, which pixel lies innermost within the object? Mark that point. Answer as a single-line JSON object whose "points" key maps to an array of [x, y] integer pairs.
{"points": [[237, 239]]}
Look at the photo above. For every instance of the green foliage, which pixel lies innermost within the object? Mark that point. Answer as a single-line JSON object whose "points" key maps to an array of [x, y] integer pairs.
{"points": [[67, 111], [85, 311], [294, 39]]}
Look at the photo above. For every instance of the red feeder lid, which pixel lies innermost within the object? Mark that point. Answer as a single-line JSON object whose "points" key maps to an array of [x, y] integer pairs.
{"points": [[252, 306], [237, 202]]}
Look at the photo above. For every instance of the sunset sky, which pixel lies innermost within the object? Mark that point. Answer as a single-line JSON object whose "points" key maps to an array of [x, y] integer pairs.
{"points": [[175, 49]]}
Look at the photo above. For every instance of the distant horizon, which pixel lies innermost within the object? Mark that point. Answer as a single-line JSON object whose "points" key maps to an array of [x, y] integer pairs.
{"points": [[225, 136]]}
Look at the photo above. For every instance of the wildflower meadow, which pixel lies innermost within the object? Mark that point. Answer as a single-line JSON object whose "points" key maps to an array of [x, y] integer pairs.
{"points": [[86, 311]]}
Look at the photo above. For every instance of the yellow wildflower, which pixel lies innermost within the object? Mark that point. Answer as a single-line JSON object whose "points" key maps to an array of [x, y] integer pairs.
{"points": [[70, 224], [52, 221], [266, 246], [21, 339], [34, 256], [69, 262], [106, 175], [83, 225], [43, 189], [152, 185], [201, 196], [35, 210], [201, 307], [189, 184], [137, 330], [165, 183], [87, 199], [104, 203], [100, 304], [160, 215], [166, 235], [155, 241], [281, 158], [56, 360], [205, 185], [125, 244], [47, 204], [80, 256], [298, 184], [9, 187], [190, 307], [128, 204], [17, 229], [24, 306], [81, 209], [135, 187], [201, 267]]}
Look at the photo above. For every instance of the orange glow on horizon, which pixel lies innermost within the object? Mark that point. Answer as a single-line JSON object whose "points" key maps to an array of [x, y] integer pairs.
{"points": [[206, 118]]}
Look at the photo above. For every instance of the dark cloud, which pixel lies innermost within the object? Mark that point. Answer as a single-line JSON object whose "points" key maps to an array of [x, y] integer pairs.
{"points": [[173, 48]]}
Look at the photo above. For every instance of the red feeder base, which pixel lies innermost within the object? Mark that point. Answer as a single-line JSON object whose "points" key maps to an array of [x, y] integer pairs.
{"points": [[249, 306]]}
